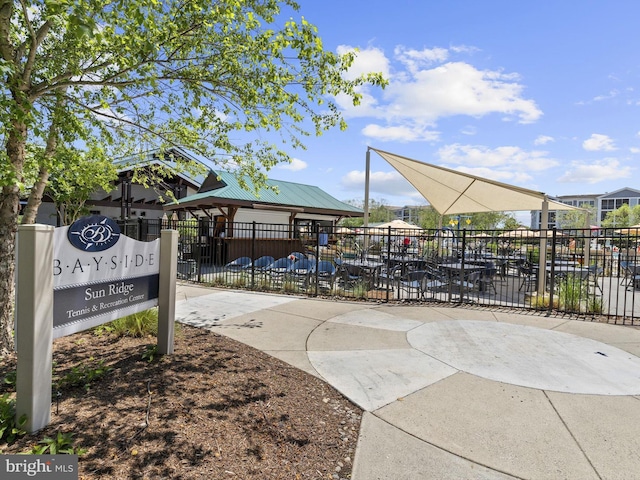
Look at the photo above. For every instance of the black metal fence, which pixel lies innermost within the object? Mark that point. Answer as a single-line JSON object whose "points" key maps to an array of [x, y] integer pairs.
{"points": [[590, 273]]}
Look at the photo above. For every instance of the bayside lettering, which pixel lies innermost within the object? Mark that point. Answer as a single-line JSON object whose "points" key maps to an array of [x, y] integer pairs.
{"points": [[106, 263]]}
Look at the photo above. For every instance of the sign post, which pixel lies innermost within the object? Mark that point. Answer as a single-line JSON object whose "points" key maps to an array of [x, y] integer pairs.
{"points": [[167, 290], [34, 305], [73, 278]]}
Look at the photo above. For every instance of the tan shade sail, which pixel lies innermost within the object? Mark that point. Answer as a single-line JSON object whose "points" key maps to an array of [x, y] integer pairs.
{"points": [[451, 192]]}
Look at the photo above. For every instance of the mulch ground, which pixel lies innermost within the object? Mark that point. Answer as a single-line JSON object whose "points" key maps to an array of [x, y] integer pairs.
{"points": [[215, 409]]}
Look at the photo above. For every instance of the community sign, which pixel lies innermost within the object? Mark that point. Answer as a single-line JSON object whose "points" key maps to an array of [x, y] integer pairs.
{"points": [[100, 275]]}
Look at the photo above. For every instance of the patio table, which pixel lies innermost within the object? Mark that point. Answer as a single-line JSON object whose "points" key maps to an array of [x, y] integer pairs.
{"points": [[456, 271], [369, 270], [405, 262]]}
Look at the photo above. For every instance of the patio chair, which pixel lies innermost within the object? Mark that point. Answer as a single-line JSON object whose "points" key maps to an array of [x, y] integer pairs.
{"points": [[390, 275], [263, 262], [632, 274], [278, 270], [297, 255], [418, 281], [525, 272], [470, 282], [347, 276], [487, 277], [627, 272], [301, 271], [326, 272], [239, 264], [595, 272]]}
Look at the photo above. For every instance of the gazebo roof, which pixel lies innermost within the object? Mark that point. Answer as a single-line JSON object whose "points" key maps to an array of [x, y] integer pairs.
{"points": [[223, 189]]}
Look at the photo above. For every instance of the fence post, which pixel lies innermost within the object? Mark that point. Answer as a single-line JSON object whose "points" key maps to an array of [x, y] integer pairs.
{"points": [[464, 247], [253, 255], [389, 279], [552, 277]]}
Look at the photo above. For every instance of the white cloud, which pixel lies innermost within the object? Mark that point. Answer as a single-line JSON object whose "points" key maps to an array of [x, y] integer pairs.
{"points": [[598, 143], [543, 140], [366, 60], [611, 94], [389, 183], [423, 89], [401, 133], [634, 150], [506, 161], [294, 166], [413, 59], [457, 88], [463, 49], [600, 171]]}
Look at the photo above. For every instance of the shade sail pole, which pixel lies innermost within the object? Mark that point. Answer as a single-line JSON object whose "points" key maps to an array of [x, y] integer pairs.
{"points": [[366, 188], [586, 249], [366, 199], [542, 261]]}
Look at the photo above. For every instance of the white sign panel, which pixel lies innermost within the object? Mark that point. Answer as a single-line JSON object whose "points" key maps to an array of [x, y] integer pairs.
{"points": [[100, 275]]}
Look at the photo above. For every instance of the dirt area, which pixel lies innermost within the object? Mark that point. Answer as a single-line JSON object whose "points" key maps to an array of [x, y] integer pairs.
{"points": [[215, 409]]}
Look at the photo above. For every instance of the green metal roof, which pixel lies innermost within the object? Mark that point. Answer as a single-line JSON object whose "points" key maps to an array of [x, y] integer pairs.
{"points": [[151, 157], [288, 194]]}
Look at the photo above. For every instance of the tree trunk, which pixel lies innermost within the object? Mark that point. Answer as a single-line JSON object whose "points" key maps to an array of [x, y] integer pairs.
{"points": [[9, 209], [8, 224], [35, 197], [37, 192]]}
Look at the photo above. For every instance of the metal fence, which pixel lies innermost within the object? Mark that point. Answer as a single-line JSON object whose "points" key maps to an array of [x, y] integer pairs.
{"points": [[588, 273]]}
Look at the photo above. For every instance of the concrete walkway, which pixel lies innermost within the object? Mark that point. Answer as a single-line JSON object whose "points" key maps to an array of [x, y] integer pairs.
{"points": [[454, 393]]}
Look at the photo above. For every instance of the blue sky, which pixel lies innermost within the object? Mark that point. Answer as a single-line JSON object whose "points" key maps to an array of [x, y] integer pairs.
{"points": [[543, 95]]}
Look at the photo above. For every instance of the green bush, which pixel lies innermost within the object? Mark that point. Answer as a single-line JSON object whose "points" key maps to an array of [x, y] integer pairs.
{"points": [[138, 325], [9, 428], [574, 295], [82, 375], [62, 443]]}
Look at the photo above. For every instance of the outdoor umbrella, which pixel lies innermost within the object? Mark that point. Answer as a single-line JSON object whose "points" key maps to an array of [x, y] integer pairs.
{"points": [[632, 230], [521, 232]]}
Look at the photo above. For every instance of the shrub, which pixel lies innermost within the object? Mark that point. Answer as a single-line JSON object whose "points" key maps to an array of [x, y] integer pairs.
{"points": [[82, 375], [62, 443], [9, 428], [138, 325]]}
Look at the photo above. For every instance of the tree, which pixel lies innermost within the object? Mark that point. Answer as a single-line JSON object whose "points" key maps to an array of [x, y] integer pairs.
{"points": [[618, 218], [379, 212], [511, 223], [429, 218], [74, 177], [213, 77], [577, 219], [489, 220]]}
